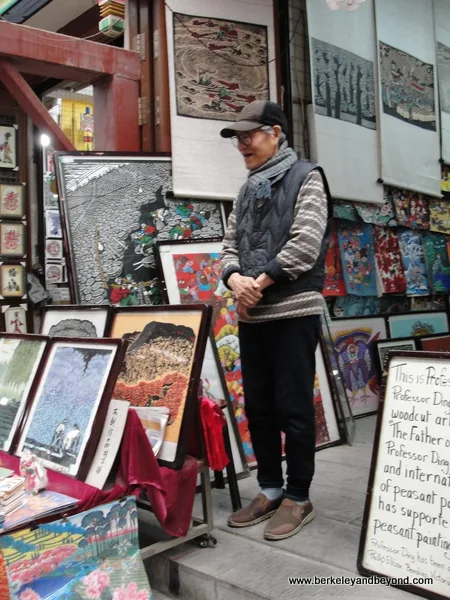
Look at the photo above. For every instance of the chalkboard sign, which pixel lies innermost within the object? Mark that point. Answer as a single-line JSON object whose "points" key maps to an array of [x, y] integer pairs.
{"points": [[406, 527]]}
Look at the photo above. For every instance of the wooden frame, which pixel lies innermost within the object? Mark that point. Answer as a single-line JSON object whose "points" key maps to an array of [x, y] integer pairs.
{"points": [[395, 319], [191, 404], [21, 246], [12, 274], [29, 385], [434, 338], [8, 207], [396, 536], [90, 436], [15, 318], [399, 343], [70, 312]]}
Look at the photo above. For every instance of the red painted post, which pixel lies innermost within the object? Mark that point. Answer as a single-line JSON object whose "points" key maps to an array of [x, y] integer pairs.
{"points": [[116, 101]]}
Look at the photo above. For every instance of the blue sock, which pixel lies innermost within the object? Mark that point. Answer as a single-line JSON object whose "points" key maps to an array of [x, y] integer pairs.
{"points": [[272, 493], [299, 499]]}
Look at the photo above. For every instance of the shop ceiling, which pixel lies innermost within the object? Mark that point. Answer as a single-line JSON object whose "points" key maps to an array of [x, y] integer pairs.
{"points": [[51, 15]]}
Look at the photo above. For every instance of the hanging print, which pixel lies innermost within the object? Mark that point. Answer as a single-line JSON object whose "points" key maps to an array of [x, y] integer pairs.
{"points": [[412, 209], [15, 318], [377, 214], [356, 247], [334, 277], [12, 201], [437, 261], [440, 215], [389, 261], [12, 239], [12, 281], [8, 147], [411, 249]]}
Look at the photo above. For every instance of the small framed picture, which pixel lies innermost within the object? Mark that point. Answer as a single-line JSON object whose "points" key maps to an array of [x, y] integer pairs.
{"points": [[12, 278], [53, 227], [418, 324], [54, 273], [15, 318], [8, 147], [53, 249], [435, 343], [386, 346], [12, 239], [12, 204]]}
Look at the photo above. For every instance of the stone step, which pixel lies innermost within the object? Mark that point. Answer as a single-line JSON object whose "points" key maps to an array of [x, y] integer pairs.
{"points": [[160, 596]]}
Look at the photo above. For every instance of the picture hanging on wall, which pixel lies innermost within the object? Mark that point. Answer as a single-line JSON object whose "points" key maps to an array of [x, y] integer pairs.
{"points": [[74, 321], [220, 66], [435, 343], [68, 408], [12, 205], [53, 227], [414, 324], [443, 65], [163, 365], [54, 273], [15, 318], [354, 343], [19, 361], [12, 280], [53, 249], [111, 241], [8, 147], [12, 239]]}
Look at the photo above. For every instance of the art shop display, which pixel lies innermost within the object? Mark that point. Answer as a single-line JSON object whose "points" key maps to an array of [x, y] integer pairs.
{"points": [[357, 257], [15, 318], [20, 357], [94, 554], [12, 239], [415, 324], [384, 347], [162, 366], [8, 147], [67, 410], [407, 506], [12, 280], [220, 58], [411, 249], [354, 343], [434, 343], [111, 241], [12, 201], [74, 321]]}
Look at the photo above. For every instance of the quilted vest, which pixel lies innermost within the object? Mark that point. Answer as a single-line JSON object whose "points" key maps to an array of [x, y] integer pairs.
{"points": [[263, 229]]}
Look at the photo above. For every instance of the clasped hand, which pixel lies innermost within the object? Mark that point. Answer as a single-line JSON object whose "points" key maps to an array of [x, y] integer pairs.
{"points": [[247, 291]]}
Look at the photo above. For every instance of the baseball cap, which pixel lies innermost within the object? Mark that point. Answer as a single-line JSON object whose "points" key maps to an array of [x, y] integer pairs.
{"points": [[257, 114]]}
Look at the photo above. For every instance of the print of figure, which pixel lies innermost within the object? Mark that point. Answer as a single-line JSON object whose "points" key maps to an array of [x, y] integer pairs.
{"points": [[17, 323], [7, 150], [58, 436]]}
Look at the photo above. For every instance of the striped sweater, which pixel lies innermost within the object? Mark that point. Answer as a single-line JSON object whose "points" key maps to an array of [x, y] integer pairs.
{"points": [[298, 255]]}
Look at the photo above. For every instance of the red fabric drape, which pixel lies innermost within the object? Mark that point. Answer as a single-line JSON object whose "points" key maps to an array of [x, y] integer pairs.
{"points": [[213, 422]]}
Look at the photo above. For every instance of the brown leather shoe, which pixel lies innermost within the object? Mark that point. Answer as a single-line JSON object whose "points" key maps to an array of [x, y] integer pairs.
{"points": [[259, 509], [288, 520]]}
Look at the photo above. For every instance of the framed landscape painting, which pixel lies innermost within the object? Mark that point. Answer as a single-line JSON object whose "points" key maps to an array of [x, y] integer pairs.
{"points": [[163, 366], [20, 357], [67, 410], [74, 321]]}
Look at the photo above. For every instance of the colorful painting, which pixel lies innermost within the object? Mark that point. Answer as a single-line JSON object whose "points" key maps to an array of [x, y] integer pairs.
{"points": [[411, 249], [407, 88], [445, 178], [443, 67], [12, 201], [411, 209], [343, 84], [220, 66], [389, 261], [377, 214], [53, 228], [74, 321], [436, 248], [12, 278], [19, 362], [414, 324], [345, 210], [427, 304], [386, 346], [53, 249], [439, 215], [66, 402], [15, 318], [356, 306], [435, 343], [91, 555], [354, 343], [334, 278], [112, 239], [327, 430], [159, 366], [357, 256], [12, 239], [8, 147]]}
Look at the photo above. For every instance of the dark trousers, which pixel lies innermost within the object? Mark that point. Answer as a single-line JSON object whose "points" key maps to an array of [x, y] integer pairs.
{"points": [[278, 368]]}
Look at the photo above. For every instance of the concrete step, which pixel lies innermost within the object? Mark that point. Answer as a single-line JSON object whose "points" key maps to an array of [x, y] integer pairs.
{"points": [[160, 596]]}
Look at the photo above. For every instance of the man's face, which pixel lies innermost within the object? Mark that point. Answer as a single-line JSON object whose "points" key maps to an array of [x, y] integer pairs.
{"points": [[258, 146]]}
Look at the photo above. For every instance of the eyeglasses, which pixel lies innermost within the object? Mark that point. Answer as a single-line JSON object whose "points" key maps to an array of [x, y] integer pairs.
{"points": [[245, 138]]}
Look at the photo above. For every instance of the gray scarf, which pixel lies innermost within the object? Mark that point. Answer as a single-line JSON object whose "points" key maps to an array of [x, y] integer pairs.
{"points": [[259, 183]]}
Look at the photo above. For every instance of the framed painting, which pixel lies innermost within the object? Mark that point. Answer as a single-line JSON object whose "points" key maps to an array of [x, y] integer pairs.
{"points": [[55, 273], [20, 358], [192, 273], [327, 428], [15, 318], [354, 343], [434, 343], [12, 239], [66, 413], [111, 240], [53, 228], [74, 321], [12, 204], [163, 366], [414, 324], [384, 347], [12, 280], [53, 249], [8, 147]]}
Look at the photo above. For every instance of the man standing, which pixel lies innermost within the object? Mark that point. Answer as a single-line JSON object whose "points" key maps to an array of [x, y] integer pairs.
{"points": [[274, 261]]}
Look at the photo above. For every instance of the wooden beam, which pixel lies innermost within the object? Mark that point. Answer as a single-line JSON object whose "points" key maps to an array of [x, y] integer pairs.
{"points": [[163, 142], [146, 33], [32, 106], [72, 57]]}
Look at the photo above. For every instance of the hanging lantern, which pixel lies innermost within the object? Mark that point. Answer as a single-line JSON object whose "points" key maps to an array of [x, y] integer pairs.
{"points": [[348, 5], [112, 13], [87, 126]]}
